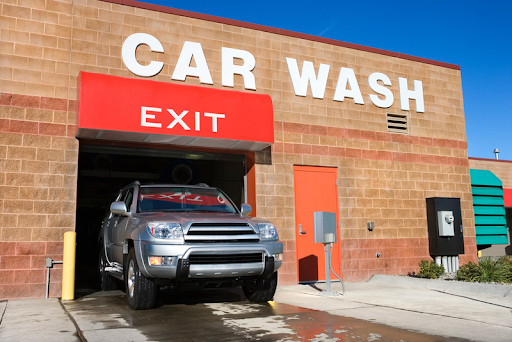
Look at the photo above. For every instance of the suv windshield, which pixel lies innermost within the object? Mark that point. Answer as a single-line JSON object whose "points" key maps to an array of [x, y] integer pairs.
{"points": [[183, 199]]}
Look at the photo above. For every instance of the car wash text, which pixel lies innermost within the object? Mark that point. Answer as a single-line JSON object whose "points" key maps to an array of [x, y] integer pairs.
{"points": [[347, 85]]}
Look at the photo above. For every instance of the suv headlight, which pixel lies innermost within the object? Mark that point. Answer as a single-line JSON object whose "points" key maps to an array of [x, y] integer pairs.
{"points": [[161, 230], [268, 231]]}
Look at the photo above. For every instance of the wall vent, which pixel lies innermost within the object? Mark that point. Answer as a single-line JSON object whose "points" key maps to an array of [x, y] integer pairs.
{"points": [[397, 123]]}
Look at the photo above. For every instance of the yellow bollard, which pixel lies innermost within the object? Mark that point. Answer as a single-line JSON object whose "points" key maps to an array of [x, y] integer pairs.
{"points": [[68, 269]]}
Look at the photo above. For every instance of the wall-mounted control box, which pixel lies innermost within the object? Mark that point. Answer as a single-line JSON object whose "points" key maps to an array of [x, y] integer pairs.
{"points": [[445, 223], [445, 234], [325, 227]]}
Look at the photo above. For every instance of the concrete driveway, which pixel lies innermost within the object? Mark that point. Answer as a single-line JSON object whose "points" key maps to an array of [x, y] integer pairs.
{"points": [[384, 309]]}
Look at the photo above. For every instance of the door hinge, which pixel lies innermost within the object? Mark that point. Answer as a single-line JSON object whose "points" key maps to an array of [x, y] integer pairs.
{"points": [[336, 182]]}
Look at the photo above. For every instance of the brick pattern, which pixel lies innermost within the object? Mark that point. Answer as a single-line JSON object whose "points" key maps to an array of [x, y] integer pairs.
{"points": [[62, 40], [38, 186], [398, 256], [36, 115], [390, 193], [318, 140], [501, 169], [23, 271], [382, 177]]}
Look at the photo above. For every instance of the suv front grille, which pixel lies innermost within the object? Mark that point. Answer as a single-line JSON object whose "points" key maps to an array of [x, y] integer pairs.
{"points": [[215, 259], [214, 232]]}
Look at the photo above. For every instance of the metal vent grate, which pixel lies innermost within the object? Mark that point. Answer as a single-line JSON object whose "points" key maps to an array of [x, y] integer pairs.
{"points": [[221, 232], [397, 123]]}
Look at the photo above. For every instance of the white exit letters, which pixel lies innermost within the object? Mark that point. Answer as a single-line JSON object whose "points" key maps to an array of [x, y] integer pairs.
{"points": [[149, 113], [192, 63]]}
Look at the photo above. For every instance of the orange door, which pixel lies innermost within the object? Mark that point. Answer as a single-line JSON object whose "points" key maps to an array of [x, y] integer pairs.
{"points": [[315, 189]]}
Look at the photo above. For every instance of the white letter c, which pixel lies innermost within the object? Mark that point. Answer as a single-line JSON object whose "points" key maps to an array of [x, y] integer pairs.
{"points": [[128, 54]]}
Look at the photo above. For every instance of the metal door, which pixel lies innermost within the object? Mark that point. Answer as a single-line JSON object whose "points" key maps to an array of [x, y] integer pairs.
{"points": [[316, 189]]}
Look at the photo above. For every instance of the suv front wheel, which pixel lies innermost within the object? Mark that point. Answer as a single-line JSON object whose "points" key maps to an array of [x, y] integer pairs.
{"points": [[260, 289], [140, 291]]}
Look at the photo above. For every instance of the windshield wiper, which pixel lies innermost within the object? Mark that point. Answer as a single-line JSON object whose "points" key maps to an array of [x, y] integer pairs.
{"points": [[204, 210], [161, 210]]}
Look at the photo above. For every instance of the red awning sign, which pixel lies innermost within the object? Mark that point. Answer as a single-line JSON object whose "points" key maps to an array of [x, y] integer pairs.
{"points": [[160, 112]]}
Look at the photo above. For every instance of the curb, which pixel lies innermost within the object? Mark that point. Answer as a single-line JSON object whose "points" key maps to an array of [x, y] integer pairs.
{"points": [[453, 286]]}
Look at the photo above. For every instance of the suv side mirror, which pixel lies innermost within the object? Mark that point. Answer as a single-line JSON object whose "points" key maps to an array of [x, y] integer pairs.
{"points": [[246, 209], [119, 208]]}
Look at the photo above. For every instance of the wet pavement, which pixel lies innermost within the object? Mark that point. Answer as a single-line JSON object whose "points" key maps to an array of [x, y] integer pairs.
{"points": [[386, 308], [221, 315]]}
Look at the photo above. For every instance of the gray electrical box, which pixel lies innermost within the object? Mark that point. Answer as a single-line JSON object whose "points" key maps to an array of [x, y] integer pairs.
{"points": [[325, 227], [445, 223]]}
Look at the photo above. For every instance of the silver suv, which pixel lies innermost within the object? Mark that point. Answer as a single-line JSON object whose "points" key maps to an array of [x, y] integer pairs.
{"points": [[181, 236]]}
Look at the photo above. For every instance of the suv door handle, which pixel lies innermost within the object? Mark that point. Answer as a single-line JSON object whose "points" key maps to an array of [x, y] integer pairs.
{"points": [[300, 230]]}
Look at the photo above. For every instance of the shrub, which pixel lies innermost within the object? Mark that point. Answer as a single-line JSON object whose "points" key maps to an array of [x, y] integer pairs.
{"points": [[430, 270], [468, 272], [505, 263], [487, 271]]}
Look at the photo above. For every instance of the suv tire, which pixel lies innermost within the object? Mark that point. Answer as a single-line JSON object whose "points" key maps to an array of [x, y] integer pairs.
{"points": [[140, 291], [107, 283], [260, 289]]}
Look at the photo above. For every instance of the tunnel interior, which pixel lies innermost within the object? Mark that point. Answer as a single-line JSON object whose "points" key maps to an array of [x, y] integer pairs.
{"points": [[104, 169]]}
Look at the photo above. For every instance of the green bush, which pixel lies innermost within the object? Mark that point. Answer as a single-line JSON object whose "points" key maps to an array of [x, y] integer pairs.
{"points": [[430, 270], [505, 263], [468, 272], [487, 271]]}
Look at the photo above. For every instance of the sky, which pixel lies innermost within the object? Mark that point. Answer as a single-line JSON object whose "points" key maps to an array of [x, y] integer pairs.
{"points": [[476, 35]]}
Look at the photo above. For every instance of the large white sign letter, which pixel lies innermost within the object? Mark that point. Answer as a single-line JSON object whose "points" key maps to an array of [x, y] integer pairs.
{"points": [[300, 81], [229, 69], [406, 95], [128, 54], [347, 76], [183, 69], [376, 87]]}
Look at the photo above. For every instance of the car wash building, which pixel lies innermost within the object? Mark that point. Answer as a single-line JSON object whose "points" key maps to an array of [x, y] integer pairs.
{"points": [[97, 94]]}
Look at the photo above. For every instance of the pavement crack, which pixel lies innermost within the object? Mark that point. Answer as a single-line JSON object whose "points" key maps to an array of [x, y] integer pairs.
{"points": [[419, 312], [78, 331], [474, 299], [433, 314], [5, 309]]}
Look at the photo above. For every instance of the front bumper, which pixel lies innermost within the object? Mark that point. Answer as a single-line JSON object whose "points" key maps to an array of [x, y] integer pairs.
{"points": [[185, 267]]}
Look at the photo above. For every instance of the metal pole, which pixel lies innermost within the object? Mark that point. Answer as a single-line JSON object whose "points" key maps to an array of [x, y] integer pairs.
{"points": [[47, 282], [327, 269]]}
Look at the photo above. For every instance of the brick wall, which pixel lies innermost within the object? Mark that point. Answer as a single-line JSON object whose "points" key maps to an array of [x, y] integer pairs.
{"points": [[382, 177], [22, 271], [501, 169], [378, 181], [38, 187]]}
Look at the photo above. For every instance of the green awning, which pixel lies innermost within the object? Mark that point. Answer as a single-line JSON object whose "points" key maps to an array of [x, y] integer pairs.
{"points": [[488, 204]]}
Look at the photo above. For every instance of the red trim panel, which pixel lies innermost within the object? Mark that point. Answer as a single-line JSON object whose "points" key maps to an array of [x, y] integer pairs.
{"points": [[491, 160], [507, 197]]}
